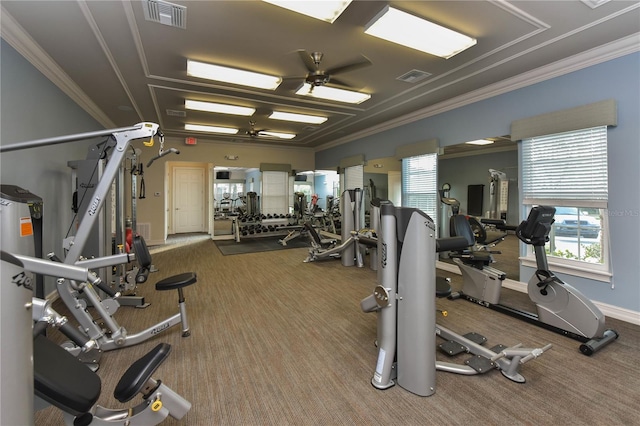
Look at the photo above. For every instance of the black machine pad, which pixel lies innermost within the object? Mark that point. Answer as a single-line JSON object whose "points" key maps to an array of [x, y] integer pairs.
{"points": [[62, 380]]}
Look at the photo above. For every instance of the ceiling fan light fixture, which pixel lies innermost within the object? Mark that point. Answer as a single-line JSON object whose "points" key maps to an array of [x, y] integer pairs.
{"points": [[232, 75], [277, 134], [333, 94], [326, 10], [210, 129], [411, 31], [218, 108], [298, 118]]}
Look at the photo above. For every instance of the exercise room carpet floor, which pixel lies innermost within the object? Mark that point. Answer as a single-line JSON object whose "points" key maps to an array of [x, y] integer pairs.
{"points": [[260, 244], [275, 341]]}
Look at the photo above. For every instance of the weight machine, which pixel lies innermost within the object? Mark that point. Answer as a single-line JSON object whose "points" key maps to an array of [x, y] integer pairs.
{"points": [[70, 290], [405, 302]]}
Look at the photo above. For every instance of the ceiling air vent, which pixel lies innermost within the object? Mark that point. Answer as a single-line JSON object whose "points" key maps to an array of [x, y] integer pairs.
{"points": [[413, 76], [165, 13], [176, 113]]}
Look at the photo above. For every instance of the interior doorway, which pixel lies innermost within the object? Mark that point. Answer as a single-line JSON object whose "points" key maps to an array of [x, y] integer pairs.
{"points": [[188, 200]]}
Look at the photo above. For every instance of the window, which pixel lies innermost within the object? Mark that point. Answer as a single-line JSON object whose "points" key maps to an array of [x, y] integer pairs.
{"points": [[274, 192], [420, 183], [569, 171], [354, 177]]}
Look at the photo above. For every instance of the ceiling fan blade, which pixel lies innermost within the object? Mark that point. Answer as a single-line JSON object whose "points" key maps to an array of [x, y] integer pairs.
{"points": [[307, 60], [364, 62]]}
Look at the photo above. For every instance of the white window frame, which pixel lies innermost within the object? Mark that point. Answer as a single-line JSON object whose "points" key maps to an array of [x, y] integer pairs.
{"points": [[565, 192]]}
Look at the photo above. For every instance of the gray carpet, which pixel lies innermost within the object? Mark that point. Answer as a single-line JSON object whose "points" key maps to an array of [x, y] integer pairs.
{"points": [[259, 244], [276, 341]]}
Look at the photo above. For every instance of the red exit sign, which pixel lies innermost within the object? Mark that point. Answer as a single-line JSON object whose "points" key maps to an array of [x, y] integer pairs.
{"points": [[190, 141]]}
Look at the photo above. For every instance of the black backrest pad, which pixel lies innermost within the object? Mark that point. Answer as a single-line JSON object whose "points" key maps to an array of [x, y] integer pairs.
{"points": [[142, 252], [312, 232], [459, 227], [61, 379]]}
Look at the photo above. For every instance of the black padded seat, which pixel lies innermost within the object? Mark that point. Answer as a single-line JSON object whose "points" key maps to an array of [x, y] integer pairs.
{"points": [[176, 281], [62, 380], [136, 376]]}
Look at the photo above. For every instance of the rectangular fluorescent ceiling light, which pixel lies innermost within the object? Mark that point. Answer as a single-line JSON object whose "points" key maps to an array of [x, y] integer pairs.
{"points": [[278, 134], [218, 108], [333, 94], [325, 10], [479, 142], [210, 129], [408, 30], [232, 75], [299, 118]]}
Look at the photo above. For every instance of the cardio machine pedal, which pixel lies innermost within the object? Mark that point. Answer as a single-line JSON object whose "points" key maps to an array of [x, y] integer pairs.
{"points": [[480, 364], [499, 348], [452, 348], [475, 338]]}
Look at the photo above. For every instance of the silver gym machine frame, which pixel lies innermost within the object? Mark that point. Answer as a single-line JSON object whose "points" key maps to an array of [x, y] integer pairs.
{"points": [[69, 289], [404, 300]]}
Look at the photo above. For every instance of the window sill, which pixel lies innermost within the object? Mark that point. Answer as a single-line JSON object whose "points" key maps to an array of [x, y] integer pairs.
{"points": [[576, 271]]}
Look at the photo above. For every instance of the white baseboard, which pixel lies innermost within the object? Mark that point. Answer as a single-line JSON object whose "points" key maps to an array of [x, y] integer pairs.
{"points": [[622, 314]]}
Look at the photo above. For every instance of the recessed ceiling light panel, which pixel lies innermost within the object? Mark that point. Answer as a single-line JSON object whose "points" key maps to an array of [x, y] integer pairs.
{"points": [[326, 10], [218, 108], [479, 142], [232, 75], [411, 31], [298, 118], [333, 94], [210, 129]]}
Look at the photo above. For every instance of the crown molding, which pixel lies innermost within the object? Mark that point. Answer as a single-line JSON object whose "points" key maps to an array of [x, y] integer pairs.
{"points": [[595, 56], [18, 38]]}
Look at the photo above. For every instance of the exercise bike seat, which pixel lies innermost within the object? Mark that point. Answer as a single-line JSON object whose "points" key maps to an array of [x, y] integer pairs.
{"points": [[140, 372], [61, 379]]}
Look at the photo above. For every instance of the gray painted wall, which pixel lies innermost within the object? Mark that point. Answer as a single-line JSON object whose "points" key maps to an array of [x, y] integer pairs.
{"points": [[33, 108], [616, 79]]}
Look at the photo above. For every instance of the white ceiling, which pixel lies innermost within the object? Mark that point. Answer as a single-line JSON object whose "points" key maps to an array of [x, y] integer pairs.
{"points": [[123, 69]]}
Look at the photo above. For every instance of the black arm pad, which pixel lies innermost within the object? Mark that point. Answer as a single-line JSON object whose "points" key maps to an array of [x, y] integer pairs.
{"points": [[451, 243]]}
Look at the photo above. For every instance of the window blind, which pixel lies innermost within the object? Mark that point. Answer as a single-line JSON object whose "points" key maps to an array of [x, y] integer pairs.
{"points": [[570, 167], [354, 177], [420, 183], [274, 192]]}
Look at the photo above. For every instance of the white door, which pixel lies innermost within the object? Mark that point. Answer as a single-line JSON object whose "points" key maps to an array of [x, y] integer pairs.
{"points": [[188, 199]]}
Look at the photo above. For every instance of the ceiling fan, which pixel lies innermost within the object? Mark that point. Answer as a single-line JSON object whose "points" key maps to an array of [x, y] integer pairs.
{"points": [[318, 77], [252, 132]]}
